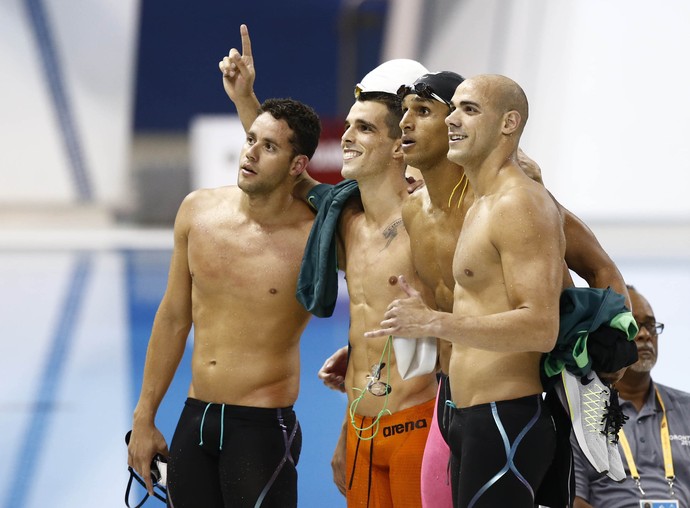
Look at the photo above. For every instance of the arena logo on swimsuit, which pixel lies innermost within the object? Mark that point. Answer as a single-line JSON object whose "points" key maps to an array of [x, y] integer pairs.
{"points": [[402, 428]]}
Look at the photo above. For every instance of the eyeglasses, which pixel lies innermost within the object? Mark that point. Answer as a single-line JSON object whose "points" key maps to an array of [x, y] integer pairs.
{"points": [[654, 328], [423, 90]]}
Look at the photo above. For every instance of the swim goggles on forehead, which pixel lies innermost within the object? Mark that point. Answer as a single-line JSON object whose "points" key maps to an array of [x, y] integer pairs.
{"points": [[422, 89]]}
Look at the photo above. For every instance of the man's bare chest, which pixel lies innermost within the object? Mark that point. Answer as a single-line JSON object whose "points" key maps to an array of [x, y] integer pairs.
{"points": [[244, 259]]}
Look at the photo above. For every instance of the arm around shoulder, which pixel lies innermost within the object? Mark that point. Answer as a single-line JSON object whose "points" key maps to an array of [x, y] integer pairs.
{"points": [[586, 257], [304, 183]]}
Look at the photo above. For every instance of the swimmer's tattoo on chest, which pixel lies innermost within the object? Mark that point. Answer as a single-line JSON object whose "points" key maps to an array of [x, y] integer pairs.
{"points": [[391, 231]]}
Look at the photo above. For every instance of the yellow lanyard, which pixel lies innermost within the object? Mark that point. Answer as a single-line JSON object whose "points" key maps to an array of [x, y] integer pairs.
{"points": [[665, 446]]}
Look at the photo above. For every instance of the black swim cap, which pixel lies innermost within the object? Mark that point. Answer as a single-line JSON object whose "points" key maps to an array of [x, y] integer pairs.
{"points": [[434, 85]]}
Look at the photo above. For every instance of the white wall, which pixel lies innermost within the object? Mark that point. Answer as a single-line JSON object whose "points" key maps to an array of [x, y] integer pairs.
{"points": [[215, 145], [95, 45], [607, 84]]}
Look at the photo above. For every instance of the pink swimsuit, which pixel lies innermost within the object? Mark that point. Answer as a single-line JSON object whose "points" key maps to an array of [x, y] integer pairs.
{"points": [[436, 489]]}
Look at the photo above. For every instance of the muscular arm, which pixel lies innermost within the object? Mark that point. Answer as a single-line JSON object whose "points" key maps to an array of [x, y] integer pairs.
{"points": [[584, 254], [586, 257], [528, 246], [166, 346]]}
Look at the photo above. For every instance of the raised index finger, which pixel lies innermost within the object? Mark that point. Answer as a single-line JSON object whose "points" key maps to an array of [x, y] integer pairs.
{"points": [[246, 41]]}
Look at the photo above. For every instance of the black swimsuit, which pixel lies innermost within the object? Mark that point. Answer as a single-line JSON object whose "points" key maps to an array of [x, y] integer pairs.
{"points": [[501, 452], [234, 456]]}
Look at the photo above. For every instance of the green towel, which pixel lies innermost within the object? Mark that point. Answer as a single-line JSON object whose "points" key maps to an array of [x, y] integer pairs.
{"points": [[582, 311], [317, 284]]}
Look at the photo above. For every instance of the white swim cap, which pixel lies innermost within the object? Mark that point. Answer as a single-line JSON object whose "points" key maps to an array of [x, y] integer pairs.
{"points": [[388, 76]]}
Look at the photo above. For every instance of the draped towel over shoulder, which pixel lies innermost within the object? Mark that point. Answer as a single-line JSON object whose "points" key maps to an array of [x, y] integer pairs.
{"points": [[317, 285]]}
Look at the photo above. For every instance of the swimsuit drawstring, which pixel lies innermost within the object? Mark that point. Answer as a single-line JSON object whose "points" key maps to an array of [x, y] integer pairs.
{"points": [[222, 425], [201, 427], [222, 421], [449, 403]]}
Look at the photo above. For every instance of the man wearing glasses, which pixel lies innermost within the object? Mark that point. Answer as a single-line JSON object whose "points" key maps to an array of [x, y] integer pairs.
{"points": [[654, 442]]}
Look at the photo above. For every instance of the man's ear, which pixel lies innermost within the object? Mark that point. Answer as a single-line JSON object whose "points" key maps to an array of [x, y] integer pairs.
{"points": [[511, 122], [299, 164], [397, 150]]}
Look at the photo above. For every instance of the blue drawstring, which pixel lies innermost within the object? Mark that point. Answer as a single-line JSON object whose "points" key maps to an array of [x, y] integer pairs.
{"points": [[222, 424], [201, 428]]}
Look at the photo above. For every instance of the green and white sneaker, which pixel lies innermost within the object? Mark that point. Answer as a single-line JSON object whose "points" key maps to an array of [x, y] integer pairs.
{"points": [[586, 399]]}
